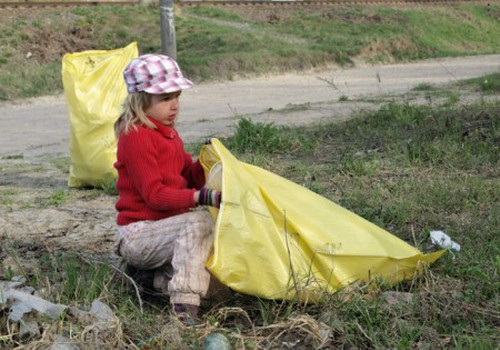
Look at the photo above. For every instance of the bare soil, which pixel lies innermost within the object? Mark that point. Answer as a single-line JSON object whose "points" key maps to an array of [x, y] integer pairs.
{"points": [[39, 212], [43, 44]]}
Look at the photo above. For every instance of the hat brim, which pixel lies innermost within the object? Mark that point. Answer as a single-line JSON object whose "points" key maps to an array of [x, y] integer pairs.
{"points": [[169, 86]]}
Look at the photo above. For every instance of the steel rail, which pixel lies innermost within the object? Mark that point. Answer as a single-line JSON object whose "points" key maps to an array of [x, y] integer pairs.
{"points": [[326, 2], [256, 3]]}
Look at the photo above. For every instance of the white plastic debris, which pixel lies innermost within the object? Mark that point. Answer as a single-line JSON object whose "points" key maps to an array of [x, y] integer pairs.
{"points": [[20, 302], [444, 241], [23, 306], [24, 303]]}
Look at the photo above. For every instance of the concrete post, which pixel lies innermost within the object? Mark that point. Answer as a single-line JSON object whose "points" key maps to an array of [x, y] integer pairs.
{"points": [[167, 28]]}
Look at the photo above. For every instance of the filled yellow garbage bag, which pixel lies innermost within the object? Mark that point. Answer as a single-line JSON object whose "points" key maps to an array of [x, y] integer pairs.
{"points": [[278, 240], [95, 90]]}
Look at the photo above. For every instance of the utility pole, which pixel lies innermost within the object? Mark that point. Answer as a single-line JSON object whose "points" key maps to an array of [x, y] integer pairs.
{"points": [[167, 28]]}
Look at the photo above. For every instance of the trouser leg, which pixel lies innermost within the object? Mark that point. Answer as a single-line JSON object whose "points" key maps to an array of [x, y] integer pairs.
{"points": [[191, 279], [184, 241]]}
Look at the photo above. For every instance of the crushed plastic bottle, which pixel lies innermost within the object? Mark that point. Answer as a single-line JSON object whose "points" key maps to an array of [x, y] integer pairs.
{"points": [[444, 241]]}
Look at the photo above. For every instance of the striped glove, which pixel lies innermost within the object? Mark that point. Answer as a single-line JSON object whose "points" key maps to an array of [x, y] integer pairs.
{"points": [[209, 197]]}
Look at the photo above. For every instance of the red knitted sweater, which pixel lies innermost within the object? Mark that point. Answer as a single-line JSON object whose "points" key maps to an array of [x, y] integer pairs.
{"points": [[156, 177]]}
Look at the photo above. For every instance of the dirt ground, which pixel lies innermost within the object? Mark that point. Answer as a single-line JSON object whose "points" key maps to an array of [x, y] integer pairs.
{"points": [[38, 211], [44, 44]]}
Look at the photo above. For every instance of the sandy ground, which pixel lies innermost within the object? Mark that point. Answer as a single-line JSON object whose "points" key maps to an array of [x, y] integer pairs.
{"points": [[37, 209]]}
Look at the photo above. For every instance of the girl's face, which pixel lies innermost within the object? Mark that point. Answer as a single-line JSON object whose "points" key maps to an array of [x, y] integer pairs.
{"points": [[164, 108]]}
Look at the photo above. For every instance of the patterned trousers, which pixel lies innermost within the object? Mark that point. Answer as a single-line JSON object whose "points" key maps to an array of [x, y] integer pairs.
{"points": [[176, 248]]}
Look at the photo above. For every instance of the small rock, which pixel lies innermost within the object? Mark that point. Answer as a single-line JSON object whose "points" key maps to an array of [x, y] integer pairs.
{"points": [[63, 343], [29, 329], [216, 341], [102, 311], [106, 321]]}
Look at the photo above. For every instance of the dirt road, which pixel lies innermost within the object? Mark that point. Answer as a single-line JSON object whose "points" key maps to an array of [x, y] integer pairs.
{"points": [[40, 126]]}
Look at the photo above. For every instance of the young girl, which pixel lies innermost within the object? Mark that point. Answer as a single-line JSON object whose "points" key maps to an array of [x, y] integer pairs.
{"points": [[159, 186]]}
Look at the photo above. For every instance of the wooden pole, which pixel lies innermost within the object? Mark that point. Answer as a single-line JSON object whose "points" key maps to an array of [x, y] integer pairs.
{"points": [[167, 28]]}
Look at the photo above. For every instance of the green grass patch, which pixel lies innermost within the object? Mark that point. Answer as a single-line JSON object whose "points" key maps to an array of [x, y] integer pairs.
{"points": [[446, 28], [215, 43], [409, 169], [263, 138], [13, 156], [423, 87], [55, 199], [406, 168], [109, 188], [489, 83]]}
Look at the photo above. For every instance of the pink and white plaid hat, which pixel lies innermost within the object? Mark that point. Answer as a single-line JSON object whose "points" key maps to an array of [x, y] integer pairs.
{"points": [[155, 74]]}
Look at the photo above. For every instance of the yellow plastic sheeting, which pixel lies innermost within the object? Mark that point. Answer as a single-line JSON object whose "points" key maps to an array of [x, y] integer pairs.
{"points": [[94, 90], [275, 239]]}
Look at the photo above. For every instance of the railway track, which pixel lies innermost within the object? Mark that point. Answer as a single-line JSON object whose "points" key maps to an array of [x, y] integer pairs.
{"points": [[251, 3], [326, 2]]}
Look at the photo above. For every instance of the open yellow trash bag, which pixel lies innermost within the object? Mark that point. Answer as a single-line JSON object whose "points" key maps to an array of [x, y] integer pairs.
{"points": [[277, 240], [95, 91]]}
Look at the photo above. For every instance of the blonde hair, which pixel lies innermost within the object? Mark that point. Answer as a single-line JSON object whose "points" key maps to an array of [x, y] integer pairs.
{"points": [[133, 113]]}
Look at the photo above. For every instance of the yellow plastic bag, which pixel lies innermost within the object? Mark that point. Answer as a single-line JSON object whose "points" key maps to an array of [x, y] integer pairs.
{"points": [[94, 90], [278, 240]]}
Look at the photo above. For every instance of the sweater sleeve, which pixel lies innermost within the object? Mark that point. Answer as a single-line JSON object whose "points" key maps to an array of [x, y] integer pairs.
{"points": [[140, 155], [193, 172]]}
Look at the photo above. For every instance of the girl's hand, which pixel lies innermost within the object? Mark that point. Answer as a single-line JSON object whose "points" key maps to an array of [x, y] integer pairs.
{"points": [[206, 196]]}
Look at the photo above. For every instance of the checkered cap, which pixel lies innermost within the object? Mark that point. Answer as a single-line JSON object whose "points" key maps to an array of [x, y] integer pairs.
{"points": [[155, 74]]}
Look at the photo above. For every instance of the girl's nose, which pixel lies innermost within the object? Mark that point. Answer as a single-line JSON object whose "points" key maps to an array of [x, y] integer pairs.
{"points": [[175, 103]]}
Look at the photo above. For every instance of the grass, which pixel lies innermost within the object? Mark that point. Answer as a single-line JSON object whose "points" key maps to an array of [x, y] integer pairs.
{"points": [[264, 138], [487, 84], [409, 169], [227, 43]]}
